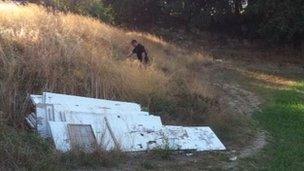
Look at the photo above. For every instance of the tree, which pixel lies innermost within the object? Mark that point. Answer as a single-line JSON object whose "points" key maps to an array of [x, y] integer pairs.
{"points": [[278, 20], [136, 12]]}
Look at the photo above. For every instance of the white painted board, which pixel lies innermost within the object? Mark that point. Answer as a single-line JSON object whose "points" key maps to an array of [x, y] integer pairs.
{"points": [[36, 99], [85, 104], [61, 139], [135, 133], [115, 124], [192, 138], [60, 135]]}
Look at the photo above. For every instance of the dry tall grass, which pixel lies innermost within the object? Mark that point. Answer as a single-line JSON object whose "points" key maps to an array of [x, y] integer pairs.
{"points": [[43, 50]]}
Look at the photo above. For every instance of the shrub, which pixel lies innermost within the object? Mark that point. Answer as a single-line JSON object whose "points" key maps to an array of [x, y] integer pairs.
{"points": [[95, 8]]}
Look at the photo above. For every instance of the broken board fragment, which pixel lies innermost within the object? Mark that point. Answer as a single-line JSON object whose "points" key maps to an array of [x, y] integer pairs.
{"points": [[192, 138], [135, 133], [82, 137]]}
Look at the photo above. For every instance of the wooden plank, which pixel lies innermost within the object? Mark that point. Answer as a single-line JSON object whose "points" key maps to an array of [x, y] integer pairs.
{"points": [[82, 137]]}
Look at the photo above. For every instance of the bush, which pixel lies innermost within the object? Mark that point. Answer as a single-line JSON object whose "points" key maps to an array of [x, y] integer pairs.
{"points": [[95, 8], [278, 21]]}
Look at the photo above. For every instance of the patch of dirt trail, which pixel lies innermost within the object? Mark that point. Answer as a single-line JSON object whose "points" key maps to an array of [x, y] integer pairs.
{"points": [[236, 99], [240, 100]]}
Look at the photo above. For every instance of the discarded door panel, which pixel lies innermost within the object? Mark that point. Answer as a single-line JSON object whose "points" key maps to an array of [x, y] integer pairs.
{"points": [[135, 133], [85, 104], [63, 139], [73, 121], [192, 138], [82, 137], [60, 135]]}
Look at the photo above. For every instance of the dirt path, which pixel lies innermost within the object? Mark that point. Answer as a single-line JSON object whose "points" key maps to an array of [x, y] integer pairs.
{"points": [[236, 99], [245, 102]]}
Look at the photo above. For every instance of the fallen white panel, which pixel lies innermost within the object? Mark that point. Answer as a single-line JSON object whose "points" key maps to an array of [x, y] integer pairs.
{"points": [[192, 138], [36, 99], [82, 137], [135, 133], [60, 135], [62, 140], [85, 104], [41, 116], [98, 124], [114, 124]]}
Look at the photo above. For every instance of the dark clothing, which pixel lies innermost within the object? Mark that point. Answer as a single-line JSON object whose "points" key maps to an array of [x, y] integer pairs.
{"points": [[139, 50]]}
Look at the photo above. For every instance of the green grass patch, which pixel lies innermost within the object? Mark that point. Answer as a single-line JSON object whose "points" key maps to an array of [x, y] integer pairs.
{"points": [[283, 118]]}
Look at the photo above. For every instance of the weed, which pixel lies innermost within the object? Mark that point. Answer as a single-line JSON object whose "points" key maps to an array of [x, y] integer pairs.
{"points": [[165, 152], [147, 165]]}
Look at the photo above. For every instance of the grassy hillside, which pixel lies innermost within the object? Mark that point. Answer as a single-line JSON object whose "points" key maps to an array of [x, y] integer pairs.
{"points": [[44, 50]]}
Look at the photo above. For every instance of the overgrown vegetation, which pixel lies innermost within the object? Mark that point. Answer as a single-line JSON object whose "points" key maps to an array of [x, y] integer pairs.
{"points": [[276, 21], [279, 21], [94, 8], [20, 149], [42, 50], [23, 150]]}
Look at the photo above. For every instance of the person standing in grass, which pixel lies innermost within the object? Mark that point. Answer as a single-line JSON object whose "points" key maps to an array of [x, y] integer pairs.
{"points": [[140, 52]]}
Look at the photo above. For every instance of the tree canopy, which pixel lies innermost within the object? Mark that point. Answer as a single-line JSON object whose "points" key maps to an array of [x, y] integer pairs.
{"points": [[274, 20]]}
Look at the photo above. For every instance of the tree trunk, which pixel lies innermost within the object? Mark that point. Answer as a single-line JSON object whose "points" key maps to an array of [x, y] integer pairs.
{"points": [[238, 7]]}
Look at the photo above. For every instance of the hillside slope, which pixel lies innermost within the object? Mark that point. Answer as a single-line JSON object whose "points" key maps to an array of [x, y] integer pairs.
{"points": [[46, 50], [43, 50]]}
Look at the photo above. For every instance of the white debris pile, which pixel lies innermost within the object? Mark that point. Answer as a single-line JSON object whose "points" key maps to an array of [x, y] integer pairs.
{"points": [[81, 122]]}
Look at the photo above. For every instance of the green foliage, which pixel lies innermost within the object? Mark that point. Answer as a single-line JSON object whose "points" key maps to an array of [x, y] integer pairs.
{"points": [[164, 153], [136, 11], [279, 21], [23, 150], [196, 13], [181, 13], [95, 8]]}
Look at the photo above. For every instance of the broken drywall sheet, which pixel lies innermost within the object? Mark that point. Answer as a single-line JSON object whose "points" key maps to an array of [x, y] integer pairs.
{"points": [[198, 138], [91, 105], [135, 133], [114, 124]]}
